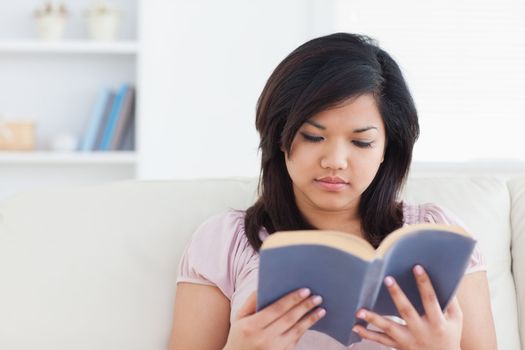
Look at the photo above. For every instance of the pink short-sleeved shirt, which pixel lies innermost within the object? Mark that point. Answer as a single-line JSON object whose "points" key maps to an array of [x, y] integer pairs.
{"points": [[220, 255]]}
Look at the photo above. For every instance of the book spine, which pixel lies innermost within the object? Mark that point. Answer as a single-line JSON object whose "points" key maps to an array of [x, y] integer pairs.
{"points": [[123, 118], [371, 287], [104, 121], [109, 132], [88, 141]]}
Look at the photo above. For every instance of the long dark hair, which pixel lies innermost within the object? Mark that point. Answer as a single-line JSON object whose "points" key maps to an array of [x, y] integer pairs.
{"points": [[320, 74]]}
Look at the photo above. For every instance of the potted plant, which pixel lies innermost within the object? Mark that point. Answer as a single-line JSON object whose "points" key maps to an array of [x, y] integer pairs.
{"points": [[51, 20], [103, 20]]}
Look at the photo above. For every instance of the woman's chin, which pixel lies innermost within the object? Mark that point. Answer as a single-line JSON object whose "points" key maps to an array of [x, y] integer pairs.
{"points": [[334, 205]]}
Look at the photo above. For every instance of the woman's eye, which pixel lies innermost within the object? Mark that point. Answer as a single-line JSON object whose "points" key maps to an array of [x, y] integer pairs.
{"points": [[362, 144], [312, 138]]}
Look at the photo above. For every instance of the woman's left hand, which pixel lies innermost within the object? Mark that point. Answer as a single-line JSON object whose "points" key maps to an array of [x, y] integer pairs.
{"points": [[435, 330]]}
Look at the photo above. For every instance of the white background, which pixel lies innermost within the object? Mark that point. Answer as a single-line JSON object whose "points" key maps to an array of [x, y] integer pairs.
{"points": [[205, 63]]}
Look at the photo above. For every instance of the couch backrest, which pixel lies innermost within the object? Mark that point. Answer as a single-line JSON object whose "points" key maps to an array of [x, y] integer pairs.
{"points": [[483, 204], [95, 267]]}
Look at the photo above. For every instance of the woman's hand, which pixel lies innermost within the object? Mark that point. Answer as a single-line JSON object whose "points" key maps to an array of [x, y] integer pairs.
{"points": [[435, 330], [279, 326]]}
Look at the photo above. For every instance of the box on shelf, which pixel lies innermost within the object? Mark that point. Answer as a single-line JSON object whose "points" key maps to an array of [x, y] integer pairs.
{"points": [[17, 136]]}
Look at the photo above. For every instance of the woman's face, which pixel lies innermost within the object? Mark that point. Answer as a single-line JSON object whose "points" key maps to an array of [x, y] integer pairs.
{"points": [[335, 155]]}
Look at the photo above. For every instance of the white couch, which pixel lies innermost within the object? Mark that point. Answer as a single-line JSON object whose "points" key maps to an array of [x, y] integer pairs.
{"points": [[94, 267]]}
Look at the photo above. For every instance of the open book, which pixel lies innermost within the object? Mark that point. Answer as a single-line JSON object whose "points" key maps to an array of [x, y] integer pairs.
{"points": [[348, 272]]}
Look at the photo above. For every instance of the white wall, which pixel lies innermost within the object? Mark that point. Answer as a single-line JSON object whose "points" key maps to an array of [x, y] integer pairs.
{"points": [[203, 67], [204, 64], [464, 63]]}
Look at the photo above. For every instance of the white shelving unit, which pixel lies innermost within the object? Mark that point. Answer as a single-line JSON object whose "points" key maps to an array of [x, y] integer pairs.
{"points": [[56, 84], [68, 47], [68, 158]]}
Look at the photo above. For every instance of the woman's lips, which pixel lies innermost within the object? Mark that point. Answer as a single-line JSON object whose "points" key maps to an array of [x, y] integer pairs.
{"points": [[331, 186]]}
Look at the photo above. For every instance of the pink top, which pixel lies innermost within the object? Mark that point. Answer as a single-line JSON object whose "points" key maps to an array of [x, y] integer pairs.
{"points": [[219, 255]]}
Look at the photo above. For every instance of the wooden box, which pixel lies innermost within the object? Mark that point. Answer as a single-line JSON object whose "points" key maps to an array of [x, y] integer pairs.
{"points": [[17, 136]]}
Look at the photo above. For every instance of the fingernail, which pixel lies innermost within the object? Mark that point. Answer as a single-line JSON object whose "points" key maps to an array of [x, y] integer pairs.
{"points": [[317, 299], [361, 314], [304, 292], [418, 270], [355, 329], [321, 312], [389, 281]]}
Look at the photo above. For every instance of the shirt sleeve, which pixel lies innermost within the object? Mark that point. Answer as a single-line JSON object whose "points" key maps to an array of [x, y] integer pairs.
{"points": [[214, 253], [432, 213]]}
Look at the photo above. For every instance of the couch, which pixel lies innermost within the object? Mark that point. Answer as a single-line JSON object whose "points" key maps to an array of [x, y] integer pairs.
{"points": [[94, 267]]}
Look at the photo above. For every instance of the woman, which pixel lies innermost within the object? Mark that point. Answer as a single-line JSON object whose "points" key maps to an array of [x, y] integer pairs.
{"points": [[337, 126]]}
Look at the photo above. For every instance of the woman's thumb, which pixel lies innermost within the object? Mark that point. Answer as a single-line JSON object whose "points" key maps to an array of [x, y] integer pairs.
{"points": [[249, 306]]}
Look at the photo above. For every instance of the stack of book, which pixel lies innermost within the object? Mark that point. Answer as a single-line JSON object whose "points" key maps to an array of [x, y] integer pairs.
{"points": [[111, 126]]}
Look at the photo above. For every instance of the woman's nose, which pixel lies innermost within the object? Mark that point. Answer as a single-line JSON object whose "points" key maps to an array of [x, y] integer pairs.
{"points": [[335, 157]]}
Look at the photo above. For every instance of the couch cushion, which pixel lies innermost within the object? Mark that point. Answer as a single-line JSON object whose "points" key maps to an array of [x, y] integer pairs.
{"points": [[95, 267]]}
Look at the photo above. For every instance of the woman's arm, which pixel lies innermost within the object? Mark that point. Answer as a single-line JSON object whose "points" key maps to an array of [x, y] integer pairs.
{"points": [[202, 318], [478, 324]]}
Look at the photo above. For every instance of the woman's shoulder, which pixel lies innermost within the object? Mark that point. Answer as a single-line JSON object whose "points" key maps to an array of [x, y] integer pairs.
{"points": [[220, 230], [224, 221], [217, 252], [429, 213]]}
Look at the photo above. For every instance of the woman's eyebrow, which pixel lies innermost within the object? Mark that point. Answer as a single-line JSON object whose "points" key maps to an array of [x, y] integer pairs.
{"points": [[319, 126], [366, 128], [360, 130]]}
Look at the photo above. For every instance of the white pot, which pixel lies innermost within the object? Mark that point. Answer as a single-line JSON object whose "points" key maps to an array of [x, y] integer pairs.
{"points": [[50, 27], [103, 27], [64, 142]]}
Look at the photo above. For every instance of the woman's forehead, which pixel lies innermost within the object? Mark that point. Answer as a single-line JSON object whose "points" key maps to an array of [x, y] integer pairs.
{"points": [[358, 113]]}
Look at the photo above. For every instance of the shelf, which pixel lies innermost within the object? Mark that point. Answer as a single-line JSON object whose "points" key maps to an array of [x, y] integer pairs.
{"points": [[67, 158], [69, 47]]}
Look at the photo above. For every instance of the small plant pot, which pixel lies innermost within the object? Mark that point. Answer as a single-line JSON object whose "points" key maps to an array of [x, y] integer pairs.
{"points": [[103, 27], [51, 27]]}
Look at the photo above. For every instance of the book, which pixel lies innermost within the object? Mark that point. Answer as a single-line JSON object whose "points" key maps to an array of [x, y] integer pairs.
{"points": [[128, 142], [111, 125], [103, 123], [88, 141], [348, 272], [124, 118]]}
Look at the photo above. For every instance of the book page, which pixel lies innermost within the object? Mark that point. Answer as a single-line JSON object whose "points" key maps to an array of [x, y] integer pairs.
{"points": [[346, 242], [396, 235]]}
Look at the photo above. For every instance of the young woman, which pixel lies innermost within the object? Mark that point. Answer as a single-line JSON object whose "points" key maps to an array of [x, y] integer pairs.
{"points": [[337, 126]]}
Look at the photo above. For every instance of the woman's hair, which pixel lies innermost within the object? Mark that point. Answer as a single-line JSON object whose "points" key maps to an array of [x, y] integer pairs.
{"points": [[320, 74]]}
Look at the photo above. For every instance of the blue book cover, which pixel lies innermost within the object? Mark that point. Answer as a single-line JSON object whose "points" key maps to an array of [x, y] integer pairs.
{"points": [[97, 114], [348, 272], [102, 126], [128, 142], [111, 125], [124, 119]]}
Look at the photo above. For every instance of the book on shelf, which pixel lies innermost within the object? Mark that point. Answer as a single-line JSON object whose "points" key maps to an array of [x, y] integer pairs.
{"points": [[128, 141], [348, 272], [104, 122], [113, 118], [96, 120], [124, 119]]}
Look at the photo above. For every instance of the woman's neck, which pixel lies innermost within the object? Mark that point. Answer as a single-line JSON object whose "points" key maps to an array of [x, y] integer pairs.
{"points": [[342, 221]]}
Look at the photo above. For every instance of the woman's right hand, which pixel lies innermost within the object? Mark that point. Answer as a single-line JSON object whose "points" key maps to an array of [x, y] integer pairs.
{"points": [[278, 326]]}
